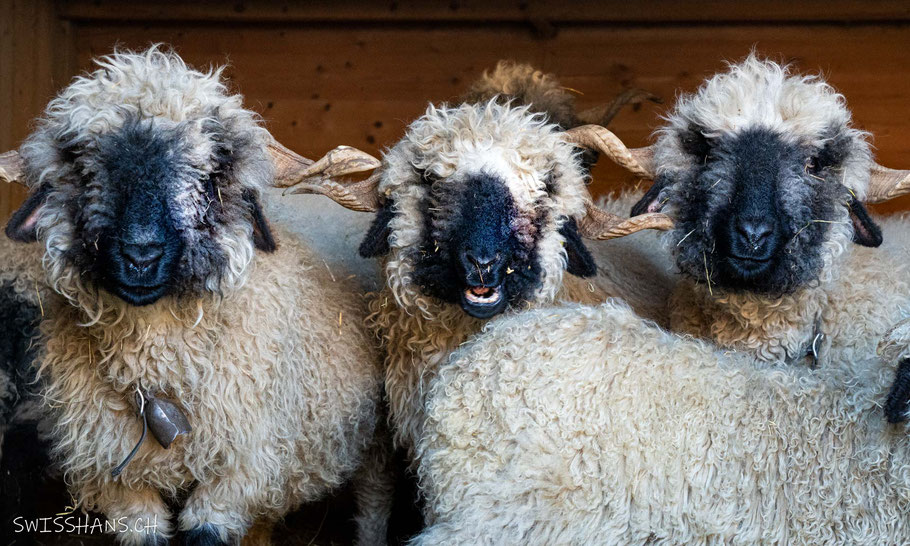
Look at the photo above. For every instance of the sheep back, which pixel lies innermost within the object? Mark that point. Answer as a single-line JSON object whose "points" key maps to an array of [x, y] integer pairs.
{"points": [[580, 425]]}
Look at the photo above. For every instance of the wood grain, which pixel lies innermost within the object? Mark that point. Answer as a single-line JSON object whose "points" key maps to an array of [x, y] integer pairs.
{"points": [[324, 73]]}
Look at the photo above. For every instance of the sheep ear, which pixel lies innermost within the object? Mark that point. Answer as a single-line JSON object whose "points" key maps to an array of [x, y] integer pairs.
{"points": [[865, 231], [22, 226], [376, 242], [579, 260], [262, 233], [650, 202]]}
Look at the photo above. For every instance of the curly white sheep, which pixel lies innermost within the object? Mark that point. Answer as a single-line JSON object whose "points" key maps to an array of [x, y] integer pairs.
{"points": [[765, 178], [481, 208], [146, 179], [590, 425], [479, 217]]}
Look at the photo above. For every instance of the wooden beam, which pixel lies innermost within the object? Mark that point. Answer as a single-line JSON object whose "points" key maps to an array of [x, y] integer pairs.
{"points": [[486, 12]]}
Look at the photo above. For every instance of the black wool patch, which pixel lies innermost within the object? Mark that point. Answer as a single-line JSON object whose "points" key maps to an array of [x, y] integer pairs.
{"points": [[475, 219], [19, 321], [376, 241], [897, 406], [754, 216]]}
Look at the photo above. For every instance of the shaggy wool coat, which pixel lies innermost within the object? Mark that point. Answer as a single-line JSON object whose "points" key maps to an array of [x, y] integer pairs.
{"points": [[590, 425], [280, 413]]}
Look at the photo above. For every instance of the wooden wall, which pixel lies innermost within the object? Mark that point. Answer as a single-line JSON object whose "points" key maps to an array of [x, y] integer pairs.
{"points": [[324, 73]]}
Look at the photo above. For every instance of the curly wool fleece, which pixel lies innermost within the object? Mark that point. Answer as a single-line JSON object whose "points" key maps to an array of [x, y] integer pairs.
{"points": [[281, 414], [589, 425]]}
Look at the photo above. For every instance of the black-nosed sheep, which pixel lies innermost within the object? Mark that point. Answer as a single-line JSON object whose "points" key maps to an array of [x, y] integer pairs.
{"points": [[481, 210], [765, 178], [590, 425], [146, 179]]}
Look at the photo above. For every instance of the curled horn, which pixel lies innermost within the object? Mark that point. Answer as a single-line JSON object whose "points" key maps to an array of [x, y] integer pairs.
{"points": [[598, 223], [301, 175], [11, 168], [601, 225], [885, 184], [639, 161]]}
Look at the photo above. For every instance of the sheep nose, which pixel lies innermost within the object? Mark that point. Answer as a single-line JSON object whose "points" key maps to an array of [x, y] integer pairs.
{"points": [[481, 260], [142, 256], [755, 232]]}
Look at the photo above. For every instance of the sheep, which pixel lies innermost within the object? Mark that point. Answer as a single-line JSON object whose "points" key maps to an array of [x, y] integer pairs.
{"points": [[175, 295], [765, 178], [520, 83], [590, 425], [480, 208]]}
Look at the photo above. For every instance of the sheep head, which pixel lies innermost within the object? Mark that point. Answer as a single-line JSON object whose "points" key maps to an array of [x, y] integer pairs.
{"points": [[479, 205], [765, 179], [145, 178]]}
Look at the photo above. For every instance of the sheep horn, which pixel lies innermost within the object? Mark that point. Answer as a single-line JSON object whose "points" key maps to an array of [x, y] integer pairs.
{"points": [[603, 115], [885, 184], [640, 161], [11, 168], [288, 164], [300, 175], [601, 225]]}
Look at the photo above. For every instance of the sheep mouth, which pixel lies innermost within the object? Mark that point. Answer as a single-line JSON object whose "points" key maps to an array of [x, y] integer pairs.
{"points": [[748, 268], [749, 260], [139, 295], [483, 301]]}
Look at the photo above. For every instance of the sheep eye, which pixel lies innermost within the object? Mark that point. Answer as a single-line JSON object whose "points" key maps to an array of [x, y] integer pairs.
{"points": [[695, 143]]}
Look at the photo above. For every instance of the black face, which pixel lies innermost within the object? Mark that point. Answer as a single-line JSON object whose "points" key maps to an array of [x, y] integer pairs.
{"points": [[472, 255], [143, 212], [138, 246], [753, 231], [755, 211], [478, 251]]}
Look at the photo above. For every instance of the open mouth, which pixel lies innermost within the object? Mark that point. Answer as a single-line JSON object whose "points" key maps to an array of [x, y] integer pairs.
{"points": [[483, 301], [483, 295]]}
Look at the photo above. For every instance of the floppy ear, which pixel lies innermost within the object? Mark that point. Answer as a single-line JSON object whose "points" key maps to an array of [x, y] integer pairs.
{"points": [[376, 242], [650, 202], [865, 231], [580, 262], [262, 233], [22, 226]]}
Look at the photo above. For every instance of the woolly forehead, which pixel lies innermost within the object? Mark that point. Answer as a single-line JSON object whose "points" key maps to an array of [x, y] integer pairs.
{"points": [[511, 144], [153, 84], [802, 111], [759, 93]]}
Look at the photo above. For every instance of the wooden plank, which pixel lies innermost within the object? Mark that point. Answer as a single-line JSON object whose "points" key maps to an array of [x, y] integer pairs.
{"points": [[535, 11], [35, 58], [360, 85]]}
